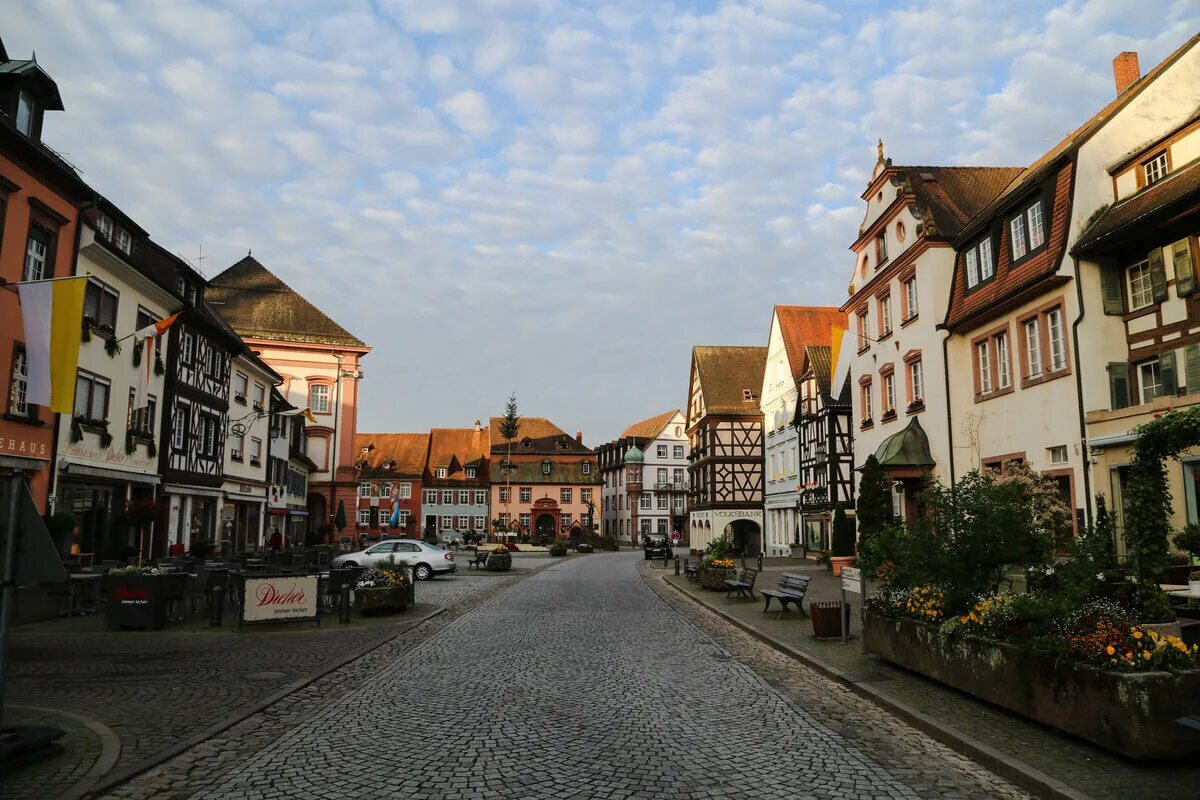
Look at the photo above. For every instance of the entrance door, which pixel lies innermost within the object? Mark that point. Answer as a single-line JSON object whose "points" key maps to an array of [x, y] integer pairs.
{"points": [[545, 528]]}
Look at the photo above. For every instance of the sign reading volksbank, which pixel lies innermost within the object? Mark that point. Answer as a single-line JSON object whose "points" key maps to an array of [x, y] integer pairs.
{"points": [[280, 599], [729, 513]]}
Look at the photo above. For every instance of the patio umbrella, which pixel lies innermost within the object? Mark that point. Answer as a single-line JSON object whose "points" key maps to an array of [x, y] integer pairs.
{"points": [[340, 519]]}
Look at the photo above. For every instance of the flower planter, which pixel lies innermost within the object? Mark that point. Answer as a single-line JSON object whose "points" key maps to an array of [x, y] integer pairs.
{"points": [[1128, 713], [837, 562], [713, 578], [499, 562], [136, 601], [384, 601]]}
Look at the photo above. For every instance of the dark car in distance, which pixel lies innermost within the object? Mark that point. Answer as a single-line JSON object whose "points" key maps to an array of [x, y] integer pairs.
{"points": [[656, 545]]}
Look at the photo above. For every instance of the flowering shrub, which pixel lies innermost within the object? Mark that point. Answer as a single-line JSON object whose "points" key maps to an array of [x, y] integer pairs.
{"points": [[135, 570], [1144, 650], [499, 549], [720, 563], [920, 602], [993, 616], [381, 579]]}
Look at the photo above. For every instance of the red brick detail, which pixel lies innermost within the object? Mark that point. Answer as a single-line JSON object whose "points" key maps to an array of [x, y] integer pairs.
{"points": [[1126, 70]]}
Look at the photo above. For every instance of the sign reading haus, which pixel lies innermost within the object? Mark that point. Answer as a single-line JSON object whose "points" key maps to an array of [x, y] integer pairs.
{"points": [[281, 599]]}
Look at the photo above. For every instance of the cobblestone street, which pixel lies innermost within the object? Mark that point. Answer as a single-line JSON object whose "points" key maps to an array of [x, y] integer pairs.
{"points": [[579, 681]]}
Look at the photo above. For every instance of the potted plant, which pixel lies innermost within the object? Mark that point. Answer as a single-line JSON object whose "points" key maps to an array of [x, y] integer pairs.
{"points": [[384, 590], [716, 566], [843, 542], [1194, 583], [558, 549], [500, 559]]}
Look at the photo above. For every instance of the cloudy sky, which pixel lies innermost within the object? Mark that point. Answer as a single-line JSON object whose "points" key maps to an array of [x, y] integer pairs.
{"points": [[557, 199]]}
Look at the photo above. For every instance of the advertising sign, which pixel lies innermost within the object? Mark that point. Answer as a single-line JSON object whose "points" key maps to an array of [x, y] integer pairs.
{"points": [[852, 579], [281, 599]]}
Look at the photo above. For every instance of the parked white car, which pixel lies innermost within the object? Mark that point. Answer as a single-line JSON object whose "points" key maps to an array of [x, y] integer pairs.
{"points": [[425, 559]]}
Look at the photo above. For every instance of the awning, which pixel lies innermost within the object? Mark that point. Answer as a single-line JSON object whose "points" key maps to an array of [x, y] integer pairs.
{"points": [[907, 449], [17, 462], [1112, 440], [295, 512], [120, 476], [195, 491]]}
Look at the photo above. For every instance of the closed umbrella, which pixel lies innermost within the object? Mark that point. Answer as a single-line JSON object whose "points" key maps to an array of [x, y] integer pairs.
{"points": [[340, 520]]}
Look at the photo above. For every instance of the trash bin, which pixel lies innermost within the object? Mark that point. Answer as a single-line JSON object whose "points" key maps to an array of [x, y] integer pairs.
{"points": [[826, 618]]}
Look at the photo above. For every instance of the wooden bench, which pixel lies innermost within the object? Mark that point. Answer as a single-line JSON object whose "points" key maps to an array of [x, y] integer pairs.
{"points": [[791, 589], [480, 559], [743, 584], [689, 569]]}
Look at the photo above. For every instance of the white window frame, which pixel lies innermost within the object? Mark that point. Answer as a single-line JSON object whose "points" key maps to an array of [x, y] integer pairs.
{"points": [[364, 490], [385, 490], [1152, 369], [662, 502], [984, 360], [889, 392], [364, 516], [986, 267], [1140, 285], [439, 472], [868, 411], [646, 502], [1058, 343], [1003, 362], [447, 497], [910, 297], [17, 403], [565, 495], [885, 315], [1016, 237], [480, 523], [319, 398], [587, 468], [1155, 169], [585, 495], [916, 381], [661, 450], [1033, 347], [1036, 225], [677, 451], [37, 254], [406, 491], [446, 522], [523, 520]]}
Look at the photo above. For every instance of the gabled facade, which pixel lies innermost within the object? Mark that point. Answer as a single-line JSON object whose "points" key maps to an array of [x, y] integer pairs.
{"points": [[725, 455], [247, 452], [793, 330], [288, 468], [40, 197], [904, 264], [644, 479], [550, 486], [825, 432], [454, 487], [391, 472], [320, 364]]}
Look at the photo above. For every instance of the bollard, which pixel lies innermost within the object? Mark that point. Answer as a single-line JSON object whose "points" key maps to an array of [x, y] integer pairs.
{"points": [[676, 565], [344, 603], [216, 607], [743, 559], [760, 562]]}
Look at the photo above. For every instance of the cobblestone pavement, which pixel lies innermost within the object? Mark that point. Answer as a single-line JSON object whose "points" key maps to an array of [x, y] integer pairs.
{"points": [[155, 689], [577, 682]]}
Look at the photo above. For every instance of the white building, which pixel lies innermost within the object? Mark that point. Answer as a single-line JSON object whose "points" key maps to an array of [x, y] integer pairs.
{"points": [[793, 329], [246, 484], [644, 475]]}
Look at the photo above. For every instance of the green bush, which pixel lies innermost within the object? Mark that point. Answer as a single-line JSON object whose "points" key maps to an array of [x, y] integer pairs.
{"points": [[873, 509], [558, 549], [843, 534], [1188, 540], [718, 548]]}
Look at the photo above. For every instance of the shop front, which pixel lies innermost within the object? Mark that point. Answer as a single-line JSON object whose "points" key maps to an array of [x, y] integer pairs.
{"points": [[193, 515], [247, 501], [105, 505]]}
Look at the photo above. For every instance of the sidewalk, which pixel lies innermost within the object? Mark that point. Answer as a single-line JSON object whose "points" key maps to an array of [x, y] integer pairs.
{"points": [[1035, 757]]}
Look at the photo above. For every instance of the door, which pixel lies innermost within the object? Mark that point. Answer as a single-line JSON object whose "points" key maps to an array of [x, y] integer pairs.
{"points": [[545, 528]]}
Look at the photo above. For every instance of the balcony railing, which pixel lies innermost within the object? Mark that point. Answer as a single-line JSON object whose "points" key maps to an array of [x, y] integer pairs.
{"points": [[670, 486]]}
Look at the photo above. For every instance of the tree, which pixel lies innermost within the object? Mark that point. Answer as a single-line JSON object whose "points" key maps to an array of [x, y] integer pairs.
{"points": [[510, 428], [843, 534], [874, 506]]}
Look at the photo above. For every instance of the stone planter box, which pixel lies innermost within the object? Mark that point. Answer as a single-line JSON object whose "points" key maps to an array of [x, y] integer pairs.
{"points": [[499, 562], [381, 601], [136, 601], [1128, 713], [714, 577]]}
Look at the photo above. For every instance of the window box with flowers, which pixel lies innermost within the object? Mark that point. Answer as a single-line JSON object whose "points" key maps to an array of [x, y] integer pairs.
{"points": [[239, 398], [888, 415], [866, 422], [136, 436], [159, 367], [915, 406], [79, 424]]}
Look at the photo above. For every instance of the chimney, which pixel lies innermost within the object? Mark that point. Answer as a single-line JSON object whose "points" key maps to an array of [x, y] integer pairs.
{"points": [[1126, 70], [579, 436], [477, 426]]}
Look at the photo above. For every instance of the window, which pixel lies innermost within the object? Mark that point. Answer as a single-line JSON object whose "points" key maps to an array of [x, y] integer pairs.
{"points": [[1156, 168], [185, 348], [867, 412], [545, 467], [209, 425], [1003, 370], [37, 250], [364, 516], [91, 397], [364, 490], [104, 225], [318, 398], [1058, 348], [124, 241], [141, 419], [916, 381], [446, 522], [179, 426], [662, 475], [464, 522], [440, 472], [464, 497], [447, 497], [587, 468], [1141, 286], [645, 526], [385, 490], [480, 497], [471, 472], [1033, 348], [145, 319], [25, 113], [480, 523], [240, 386], [979, 263], [19, 386], [565, 495], [645, 502], [1016, 232], [864, 340], [430, 497], [885, 315], [406, 491], [504, 494], [1150, 380], [910, 298], [566, 521], [677, 451], [100, 304], [889, 393], [403, 518], [526, 494], [985, 367], [260, 396], [524, 521], [662, 451], [881, 253], [1037, 231], [662, 500], [1058, 454], [585, 495]]}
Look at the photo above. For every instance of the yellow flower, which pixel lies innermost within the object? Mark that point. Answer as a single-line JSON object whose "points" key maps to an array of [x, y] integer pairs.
{"points": [[1110, 650], [1137, 634], [1129, 656], [1145, 655]]}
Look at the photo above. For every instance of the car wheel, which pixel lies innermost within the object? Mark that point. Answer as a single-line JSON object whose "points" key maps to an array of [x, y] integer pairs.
{"points": [[347, 565], [423, 572]]}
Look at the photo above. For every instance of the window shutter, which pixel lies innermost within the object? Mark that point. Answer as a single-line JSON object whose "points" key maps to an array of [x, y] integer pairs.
{"points": [[1185, 280], [1118, 385], [1166, 363], [1191, 357], [1110, 289], [1158, 275]]}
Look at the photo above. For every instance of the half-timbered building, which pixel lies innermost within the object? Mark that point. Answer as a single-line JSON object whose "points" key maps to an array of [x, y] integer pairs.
{"points": [[643, 477], [826, 437], [724, 428], [196, 418]]}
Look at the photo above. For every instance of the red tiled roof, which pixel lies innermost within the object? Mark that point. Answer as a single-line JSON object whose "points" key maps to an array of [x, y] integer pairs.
{"points": [[544, 437], [802, 326], [406, 450], [649, 428], [725, 373], [456, 449], [1180, 186]]}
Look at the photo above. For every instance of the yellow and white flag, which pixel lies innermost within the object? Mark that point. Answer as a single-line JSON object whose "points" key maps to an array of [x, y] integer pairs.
{"points": [[52, 312], [305, 412], [842, 347]]}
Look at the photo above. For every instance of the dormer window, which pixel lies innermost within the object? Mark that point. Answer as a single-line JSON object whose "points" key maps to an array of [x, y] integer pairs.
{"points": [[440, 472], [104, 225], [1156, 168], [979, 263], [1027, 231], [25, 113], [124, 241], [545, 467], [747, 395], [181, 286], [526, 442], [470, 472]]}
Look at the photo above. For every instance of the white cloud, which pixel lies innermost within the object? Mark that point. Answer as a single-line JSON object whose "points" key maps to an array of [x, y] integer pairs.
{"points": [[470, 112]]}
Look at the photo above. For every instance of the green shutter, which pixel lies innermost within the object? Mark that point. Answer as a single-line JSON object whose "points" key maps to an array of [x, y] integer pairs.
{"points": [[1166, 363], [1110, 289], [1191, 359], [1158, 275], [1118, 385], [1185, 280]]}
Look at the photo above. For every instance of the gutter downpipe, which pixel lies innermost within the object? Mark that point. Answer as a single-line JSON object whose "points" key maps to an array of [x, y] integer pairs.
{"points": [[334, 456], [1087, 459], [949, 417]]}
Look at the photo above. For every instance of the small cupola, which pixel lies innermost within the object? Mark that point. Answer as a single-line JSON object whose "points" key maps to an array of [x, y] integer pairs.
{"points": [[634, 456]]}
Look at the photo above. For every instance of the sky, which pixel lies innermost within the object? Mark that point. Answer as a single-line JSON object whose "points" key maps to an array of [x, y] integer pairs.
{"points": [[549, 198]]}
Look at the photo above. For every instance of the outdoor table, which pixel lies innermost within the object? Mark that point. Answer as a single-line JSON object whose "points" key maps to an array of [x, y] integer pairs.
{"points": [[1192, 597], [88, 584]]}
